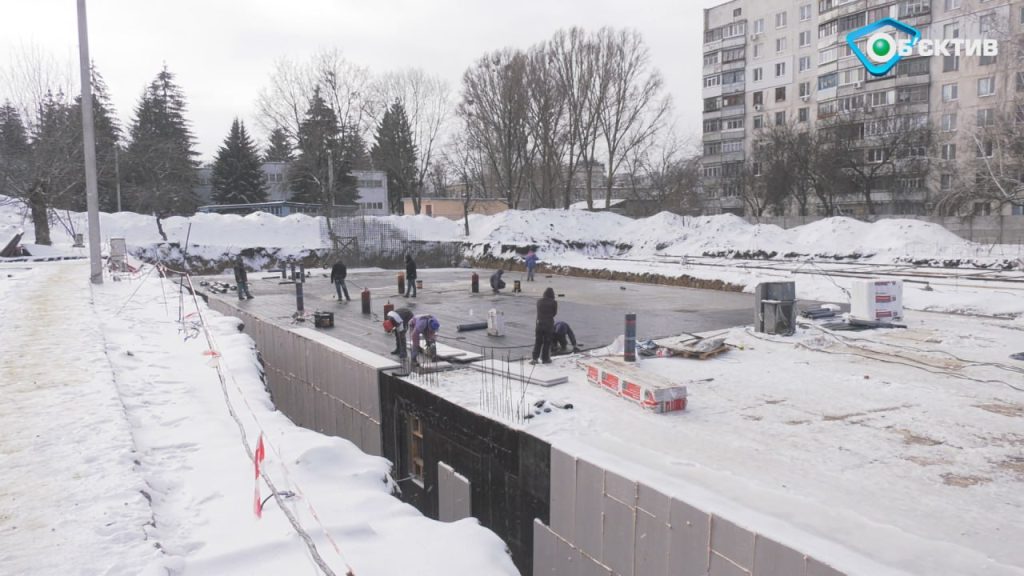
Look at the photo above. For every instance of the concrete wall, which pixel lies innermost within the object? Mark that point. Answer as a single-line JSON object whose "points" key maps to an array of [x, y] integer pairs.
{"points": [[319, 382], [982, 229], [605, 524]]}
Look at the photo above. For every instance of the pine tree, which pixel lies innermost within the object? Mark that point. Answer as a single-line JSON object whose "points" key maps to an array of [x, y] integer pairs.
{"points": [[319, 148], [160, 163], [108, 136], [237, 171], [395, 153], [14, 149], [279, 149]]}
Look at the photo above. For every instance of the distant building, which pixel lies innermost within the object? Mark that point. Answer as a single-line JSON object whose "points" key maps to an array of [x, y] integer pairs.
{"points": [[371, 186], [452, 208]]}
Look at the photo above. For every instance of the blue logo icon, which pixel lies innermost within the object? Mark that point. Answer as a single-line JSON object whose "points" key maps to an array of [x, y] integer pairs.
{"points": [[882, 50]]}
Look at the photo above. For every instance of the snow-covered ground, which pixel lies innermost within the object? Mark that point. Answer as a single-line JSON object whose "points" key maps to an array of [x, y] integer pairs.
{"points": [[118, 454]]}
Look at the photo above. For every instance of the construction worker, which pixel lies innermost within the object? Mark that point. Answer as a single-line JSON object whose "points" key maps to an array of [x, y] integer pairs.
{"points": [[496, 282], [427, 326], [547, 309], [338, 274], [410, 276], [564, 332], [242, 279], [531, 263], [397, 323]]}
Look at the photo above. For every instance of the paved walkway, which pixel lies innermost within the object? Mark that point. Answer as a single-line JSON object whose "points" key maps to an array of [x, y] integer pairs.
{"points": [[69, 488]]}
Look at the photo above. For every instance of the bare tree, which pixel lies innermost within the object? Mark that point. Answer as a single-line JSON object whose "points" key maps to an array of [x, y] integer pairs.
{"points": [[465, 162], [428, 105], [494, 110], [546, 120], [665, 174], [635, 108]]}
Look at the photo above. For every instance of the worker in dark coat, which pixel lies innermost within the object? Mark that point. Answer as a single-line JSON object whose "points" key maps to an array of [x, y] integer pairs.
{"points": [[496, 282], [397, 323], [547, 309], [410, 276], [563, 336], [242, 279], [338, 274]]}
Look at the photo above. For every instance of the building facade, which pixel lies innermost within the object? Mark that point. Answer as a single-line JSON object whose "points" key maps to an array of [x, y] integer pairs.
{"points": [[770, 63]]}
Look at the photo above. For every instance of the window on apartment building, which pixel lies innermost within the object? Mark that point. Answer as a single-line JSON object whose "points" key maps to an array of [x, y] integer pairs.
{"points": [[875, 155], [805, 38], [984, 149], [732, 55], [950, 63], [780, 69], [712, 104], [733, 124], [851, 103], [1018, 116], [828, 29], [803, 114], [851, 76], [805, 89], [910, 8], [780, 94], [805, 12], [732, 100], [805, 63], [732, 77], [758, 122], [951, 30], [755, 168], [912, 94], [852, 22], [949, 151], [1020, 81], [758, 74], [948, 122], [986, 86], [988, 23], [780, 118], [712, 148], [952, 4], [780, 20], [711, 58], [780, 44], [736, 13], [912, 67], [712, 126], [986, 117], [732, 146], [758, 98], [950, 92], [759, 26], [986, 60], [946, 182], [826, 109], [881, 98], [710, 81], [757, 50], [827, 81], [828, 56]]}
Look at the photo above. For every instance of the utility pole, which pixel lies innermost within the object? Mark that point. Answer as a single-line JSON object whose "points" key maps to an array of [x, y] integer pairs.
{"points": [[117, 175], [89, 143]]}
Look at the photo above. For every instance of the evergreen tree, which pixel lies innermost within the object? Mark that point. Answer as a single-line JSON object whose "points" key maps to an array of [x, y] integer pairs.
{"points": [[14, 149], [160, 163], [395, 153], [320, 148], [108, 136], [237, 171], [279, 149]]}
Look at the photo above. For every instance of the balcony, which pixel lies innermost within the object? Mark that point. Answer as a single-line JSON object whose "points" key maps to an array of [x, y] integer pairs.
{"points": [[732, 111], [734, 65], [733, 88]]}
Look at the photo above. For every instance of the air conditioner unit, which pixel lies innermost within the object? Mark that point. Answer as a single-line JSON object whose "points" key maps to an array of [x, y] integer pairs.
{"points": [[757, 107], [755, 35], [856, 84]]}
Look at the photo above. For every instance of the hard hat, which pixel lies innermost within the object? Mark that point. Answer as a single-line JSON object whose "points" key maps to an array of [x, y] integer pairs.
{"points": [[389, 325]]}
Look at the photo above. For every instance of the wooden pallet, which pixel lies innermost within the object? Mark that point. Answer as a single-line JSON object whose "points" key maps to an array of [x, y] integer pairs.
{"points": [[685, 353]]}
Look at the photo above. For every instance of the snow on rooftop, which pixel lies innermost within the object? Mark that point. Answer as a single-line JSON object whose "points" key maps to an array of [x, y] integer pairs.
{"points": [[887, 452]]}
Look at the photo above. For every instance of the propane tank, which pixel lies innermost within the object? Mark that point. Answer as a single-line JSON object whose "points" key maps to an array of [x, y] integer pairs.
{"points": [[388, 308], [401, 283], [474, 282], [365, 297]]}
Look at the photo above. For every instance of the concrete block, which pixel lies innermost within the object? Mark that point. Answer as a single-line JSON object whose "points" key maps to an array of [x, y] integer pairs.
{"points": [[619, 537], [375, 441], [620, 488], [563, 493], [543, 550], [651, 543], [774, 559], [321, 410], [587, 566], [819, 568], [589, 507], [653, 502], [733, 542], [453, 496], [720, 566], [689, 540], [567, 558]]}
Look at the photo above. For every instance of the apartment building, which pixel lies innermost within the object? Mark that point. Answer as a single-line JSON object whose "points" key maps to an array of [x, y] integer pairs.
{"points": [[787, 62]]}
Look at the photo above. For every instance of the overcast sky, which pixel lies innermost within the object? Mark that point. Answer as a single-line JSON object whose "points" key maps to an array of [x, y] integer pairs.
{"points": [[222, 51]]}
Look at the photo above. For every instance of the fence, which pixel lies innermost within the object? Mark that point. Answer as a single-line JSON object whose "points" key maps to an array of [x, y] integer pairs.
{"points": [[368, 241]]}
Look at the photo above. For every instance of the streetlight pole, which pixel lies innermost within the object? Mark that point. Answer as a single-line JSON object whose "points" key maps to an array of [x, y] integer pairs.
{"points": [[89, 144]]}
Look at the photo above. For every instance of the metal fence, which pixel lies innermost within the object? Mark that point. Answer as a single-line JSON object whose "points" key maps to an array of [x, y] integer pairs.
{"points": [[368, 241]]}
